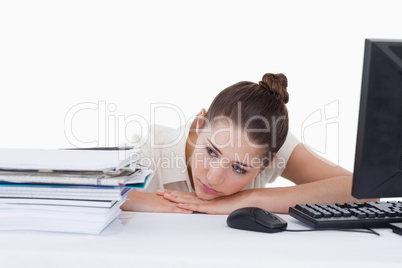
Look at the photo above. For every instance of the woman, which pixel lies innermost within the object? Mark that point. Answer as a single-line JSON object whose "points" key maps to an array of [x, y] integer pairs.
{"points": [[232, 151]]}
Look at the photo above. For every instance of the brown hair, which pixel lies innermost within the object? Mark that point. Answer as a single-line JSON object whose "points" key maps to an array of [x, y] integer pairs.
{"points": [[258, 107]]}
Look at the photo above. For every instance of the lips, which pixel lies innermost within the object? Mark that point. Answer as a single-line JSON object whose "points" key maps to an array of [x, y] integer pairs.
{"points": [[207, 189]]}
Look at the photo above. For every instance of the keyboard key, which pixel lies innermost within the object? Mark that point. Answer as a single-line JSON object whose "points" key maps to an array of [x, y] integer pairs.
{"points": [[370, 204], [370, 214], [358, 213], [380, 214], [359, 204], [301, 207], [390, 213], [315, 214], [346, 213], [383, 206], [351, 205], [334, 207], [326, 214], [336, 214]]}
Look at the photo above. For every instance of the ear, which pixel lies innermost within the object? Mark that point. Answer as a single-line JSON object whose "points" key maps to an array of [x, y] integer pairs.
{"points": [[270, 164], [200, 120], [273, 161]]}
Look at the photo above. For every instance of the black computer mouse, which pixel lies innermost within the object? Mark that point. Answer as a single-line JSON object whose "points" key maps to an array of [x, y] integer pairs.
{"points": [[256, 219]]}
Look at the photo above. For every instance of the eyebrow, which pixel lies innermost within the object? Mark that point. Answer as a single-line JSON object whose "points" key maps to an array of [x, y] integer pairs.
{"points": [[244, 165], [219, 151], [241, 164]]}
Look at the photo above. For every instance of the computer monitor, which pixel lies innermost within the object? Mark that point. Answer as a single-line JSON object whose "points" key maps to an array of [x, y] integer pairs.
{"points": [[378, 158]]}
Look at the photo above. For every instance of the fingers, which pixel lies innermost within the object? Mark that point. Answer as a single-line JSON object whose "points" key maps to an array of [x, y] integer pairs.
{"points": [[175, 209], [182, 198], [207, 207], [194, 207], [173, 192], [178, 199], [180, 210], [168, 193], [186, 202], [162, 191]]}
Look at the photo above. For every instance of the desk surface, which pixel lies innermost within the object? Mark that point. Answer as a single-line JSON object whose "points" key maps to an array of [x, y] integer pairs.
{"points": [[198, 240]]}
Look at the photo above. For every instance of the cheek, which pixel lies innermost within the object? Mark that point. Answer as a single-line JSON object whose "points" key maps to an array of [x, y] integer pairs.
{"points": [[198, 164]]}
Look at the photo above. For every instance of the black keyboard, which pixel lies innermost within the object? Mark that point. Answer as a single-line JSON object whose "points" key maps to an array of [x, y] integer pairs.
{"points": [[348, 215]]}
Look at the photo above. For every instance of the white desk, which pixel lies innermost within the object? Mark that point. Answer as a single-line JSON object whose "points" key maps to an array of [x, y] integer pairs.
{"points": [[198, 240]]}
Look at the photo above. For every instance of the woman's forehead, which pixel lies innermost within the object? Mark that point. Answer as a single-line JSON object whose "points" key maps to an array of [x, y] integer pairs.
{"points": [[231, 139]]}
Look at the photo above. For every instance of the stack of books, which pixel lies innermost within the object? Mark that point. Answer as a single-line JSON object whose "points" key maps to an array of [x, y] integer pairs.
{"points": [[77, 191]]}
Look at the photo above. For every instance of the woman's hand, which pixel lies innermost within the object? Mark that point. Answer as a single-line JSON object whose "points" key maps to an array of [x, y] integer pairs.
{"points": [[190, 201], [149, 202]]}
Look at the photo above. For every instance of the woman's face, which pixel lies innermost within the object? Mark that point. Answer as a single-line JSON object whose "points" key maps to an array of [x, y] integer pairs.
{"points": [[223, 161]]}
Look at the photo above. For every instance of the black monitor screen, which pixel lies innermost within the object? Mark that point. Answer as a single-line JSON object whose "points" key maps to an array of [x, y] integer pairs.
{"points": [[378, 158]]}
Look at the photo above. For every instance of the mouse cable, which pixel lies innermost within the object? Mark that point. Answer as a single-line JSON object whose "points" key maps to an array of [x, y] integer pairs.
{"points": [[370, 231]]}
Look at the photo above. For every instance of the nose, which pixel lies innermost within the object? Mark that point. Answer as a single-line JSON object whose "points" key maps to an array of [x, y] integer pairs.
{"points": [[216, 174]]}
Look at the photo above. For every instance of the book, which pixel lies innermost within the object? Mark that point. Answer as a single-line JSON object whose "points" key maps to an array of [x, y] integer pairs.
{"points": [[86, 210], [68, 160], [66, 190], [62, 202], [58, 218]]}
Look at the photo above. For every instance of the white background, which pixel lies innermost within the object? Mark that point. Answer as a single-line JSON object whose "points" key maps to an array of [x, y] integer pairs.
{"points": [[116, 58]]}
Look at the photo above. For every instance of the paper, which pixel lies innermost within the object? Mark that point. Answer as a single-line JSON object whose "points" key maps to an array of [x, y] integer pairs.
{"points": [[34, 214], [58, 222], [77, 160], [76, 193], [76, 178], [62, 202]]}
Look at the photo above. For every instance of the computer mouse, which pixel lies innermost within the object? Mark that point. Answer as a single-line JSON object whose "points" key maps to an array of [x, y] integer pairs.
{"points": [[256, 219]]}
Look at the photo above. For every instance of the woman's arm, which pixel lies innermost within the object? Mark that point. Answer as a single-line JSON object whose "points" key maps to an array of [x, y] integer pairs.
{"points": [[149, 202], [305, 166], [316, 179], [277, 200], [329, 190]]}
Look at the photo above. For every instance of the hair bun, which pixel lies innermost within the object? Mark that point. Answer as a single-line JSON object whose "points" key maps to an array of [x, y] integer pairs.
{"points": [[277, 84]]}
